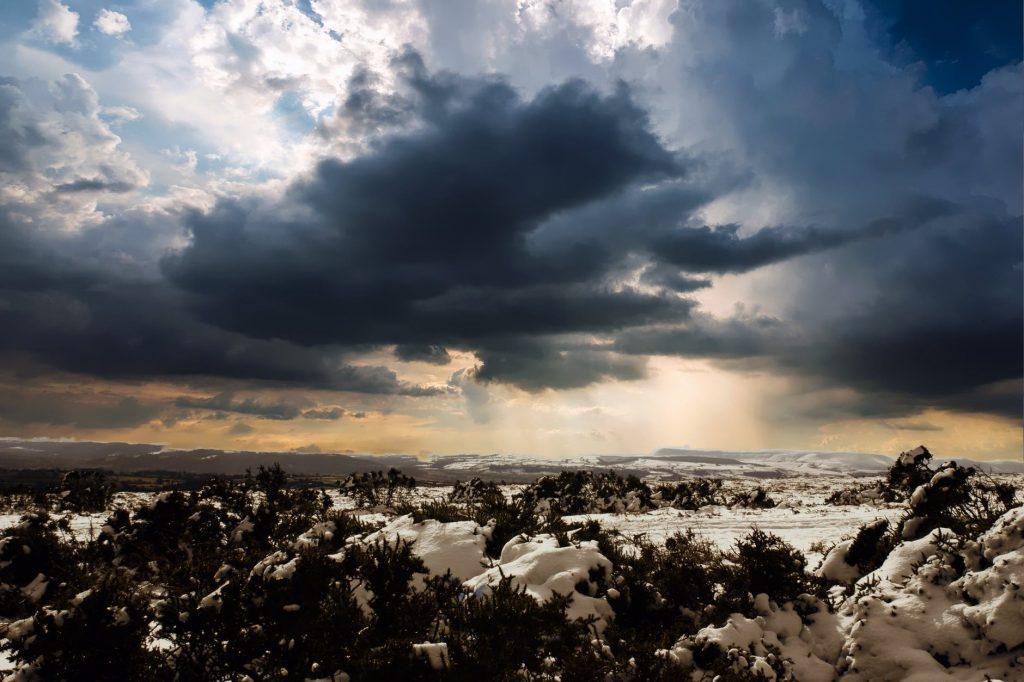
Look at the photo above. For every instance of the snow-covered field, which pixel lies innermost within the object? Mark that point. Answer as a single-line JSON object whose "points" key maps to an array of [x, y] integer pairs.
{"points": [[802, 518], [928, 612]]}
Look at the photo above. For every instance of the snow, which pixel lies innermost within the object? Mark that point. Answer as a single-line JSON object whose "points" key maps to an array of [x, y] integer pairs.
{"points": [[916, 618], [436, 654], [244, 526], [802, 527], [35, 590], [543, 569], [835, 567], [753, 644], [457, 546], [214, 599]]}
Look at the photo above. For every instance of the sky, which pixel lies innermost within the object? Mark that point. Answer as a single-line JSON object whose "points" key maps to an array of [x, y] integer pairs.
{"points": [[553, 227]]}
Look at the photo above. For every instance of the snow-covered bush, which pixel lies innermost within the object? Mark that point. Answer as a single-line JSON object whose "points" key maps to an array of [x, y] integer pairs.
{"points": [[693, 493], [475, 490], [376, 488], [763, 563], [84, 490], [758, 498], [910, 470], [37, 560], [853, 495], [588, 492], [97, 634], [506, 518], [959, 498]]}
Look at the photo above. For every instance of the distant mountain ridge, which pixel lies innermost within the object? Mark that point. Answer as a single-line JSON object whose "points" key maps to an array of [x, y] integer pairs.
{"points": [[665, 463]]}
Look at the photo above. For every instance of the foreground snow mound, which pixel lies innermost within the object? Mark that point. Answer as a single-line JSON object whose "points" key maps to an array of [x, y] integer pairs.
{"points": [[458, 546], [778, 644], [935, 609], [919, 617], [543, 569]]}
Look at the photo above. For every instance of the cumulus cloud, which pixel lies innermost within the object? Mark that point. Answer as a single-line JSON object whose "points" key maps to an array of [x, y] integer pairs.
{"points": [[60, 156], [112, 23], [56, 23]]}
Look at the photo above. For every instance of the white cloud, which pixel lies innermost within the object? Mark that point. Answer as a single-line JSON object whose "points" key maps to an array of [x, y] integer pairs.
{"points": [[607, 25], [62, 158], [112, 23], [56, 22], [121, 114]]}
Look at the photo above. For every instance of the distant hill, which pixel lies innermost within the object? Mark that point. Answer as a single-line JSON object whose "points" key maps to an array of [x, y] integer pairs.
{"points": [[666, 463]]}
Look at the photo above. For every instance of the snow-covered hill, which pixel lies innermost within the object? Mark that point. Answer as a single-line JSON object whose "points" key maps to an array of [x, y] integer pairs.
{"points": [[666, 463]]}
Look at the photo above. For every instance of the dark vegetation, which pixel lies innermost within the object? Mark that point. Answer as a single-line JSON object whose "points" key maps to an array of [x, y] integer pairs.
{"points": [[962, 499], [255, 579]]}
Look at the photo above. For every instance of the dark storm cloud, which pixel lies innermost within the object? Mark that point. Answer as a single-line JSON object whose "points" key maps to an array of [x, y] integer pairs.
{"points": [[536, 365], [912, 202], [226, 402], [64, 310], [480, 220], [946, 329], [721, 249], [94, 185], [740, 337], [424, 239], [429, 353], [947, 326], [672, 278], [83, 411], [325, 413], [498, 218]]}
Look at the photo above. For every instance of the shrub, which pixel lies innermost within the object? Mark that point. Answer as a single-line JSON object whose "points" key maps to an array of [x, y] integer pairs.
{"points": [[959, 498], [692, 494], [534, 639], [908, 472], [99, 634], [852, 495], [757, 498], [870, 546], [84, 490], [587, 492], [37, 561], [763, 563], [377, 489], [475, 491]]}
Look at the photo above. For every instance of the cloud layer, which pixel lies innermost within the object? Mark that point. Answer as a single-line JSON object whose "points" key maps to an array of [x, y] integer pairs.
{"points": [[324, 194]]}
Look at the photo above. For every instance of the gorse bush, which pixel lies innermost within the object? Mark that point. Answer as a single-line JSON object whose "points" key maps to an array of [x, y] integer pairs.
{"points": [[763, 563], [476, 491], [588, 492], [376, 488], [692, 494], [910, 470], [961, 499], [85, 490], [757, 498], [226, 580]]}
